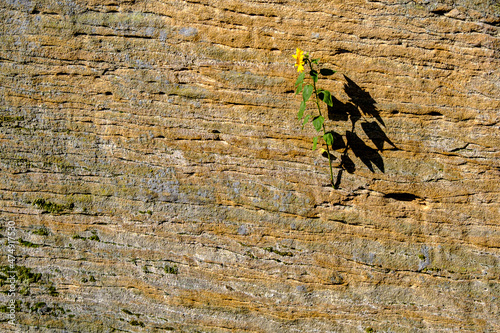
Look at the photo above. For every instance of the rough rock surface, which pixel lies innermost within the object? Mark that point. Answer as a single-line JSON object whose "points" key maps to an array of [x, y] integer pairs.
{"points": [[159, 180]]}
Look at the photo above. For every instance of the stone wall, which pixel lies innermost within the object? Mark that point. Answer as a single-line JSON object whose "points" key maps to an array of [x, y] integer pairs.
{"points": [[158, 178]]}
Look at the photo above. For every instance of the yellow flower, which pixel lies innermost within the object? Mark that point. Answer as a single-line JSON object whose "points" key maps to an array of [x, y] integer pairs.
{"points": [[299, 60]]}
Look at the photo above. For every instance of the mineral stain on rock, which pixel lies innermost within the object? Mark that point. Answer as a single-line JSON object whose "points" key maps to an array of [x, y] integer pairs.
{"points": [[154, 177]]}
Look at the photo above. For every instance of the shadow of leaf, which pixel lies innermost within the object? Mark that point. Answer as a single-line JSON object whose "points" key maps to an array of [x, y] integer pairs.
{"points": [[339, 111], [376, 134], [325, 155], [347, 164], [338, 141], [362, 99], [359, 106], [326, 71], [343, 111], [366, 154]]}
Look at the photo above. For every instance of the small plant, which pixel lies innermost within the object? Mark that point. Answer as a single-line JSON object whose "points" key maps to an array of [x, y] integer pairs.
{"points": [[136, 323], [90, 279], [309, 90], [24, 278], [171, 269], [38, 305], [42, 231], [51, 290], [94, 238], [27, 243], [51, 207], [278, 252], [130, 313]]}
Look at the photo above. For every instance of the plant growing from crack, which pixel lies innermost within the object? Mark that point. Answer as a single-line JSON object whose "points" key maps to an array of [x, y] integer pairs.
{"points": [[309, 90]]}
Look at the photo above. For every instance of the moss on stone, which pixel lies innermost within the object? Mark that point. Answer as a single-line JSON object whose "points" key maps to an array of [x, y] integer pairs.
{"points": [[27, 243], [278, 252], [9, 119], [171, 269], [42, 231], [51, 207]]}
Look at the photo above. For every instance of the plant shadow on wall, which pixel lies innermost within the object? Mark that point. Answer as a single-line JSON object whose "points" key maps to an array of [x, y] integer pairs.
{"points": [[359, 108]]}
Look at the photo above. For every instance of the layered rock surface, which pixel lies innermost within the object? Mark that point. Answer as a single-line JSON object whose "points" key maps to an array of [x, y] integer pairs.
{"points": [[159, 180]]}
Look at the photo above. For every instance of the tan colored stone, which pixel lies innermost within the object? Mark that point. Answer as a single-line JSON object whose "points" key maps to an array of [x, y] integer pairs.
{"points": [[181, 194]]}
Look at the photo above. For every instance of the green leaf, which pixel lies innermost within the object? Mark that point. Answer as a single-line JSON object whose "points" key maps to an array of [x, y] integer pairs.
{"points": [[328, 137], [315, 61], [326, 72], [301, 110], [327, 97], [306, 119], [299, 89], [315, 142], [314, 75], [300, 79], [307, 92], [318, 122]]}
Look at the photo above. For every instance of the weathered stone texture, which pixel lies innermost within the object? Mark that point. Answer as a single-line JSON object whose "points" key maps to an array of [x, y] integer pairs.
{"points": [[159, 179]]}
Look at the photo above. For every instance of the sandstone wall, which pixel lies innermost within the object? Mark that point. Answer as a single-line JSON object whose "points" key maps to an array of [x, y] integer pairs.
{"points": [[159, 180]]}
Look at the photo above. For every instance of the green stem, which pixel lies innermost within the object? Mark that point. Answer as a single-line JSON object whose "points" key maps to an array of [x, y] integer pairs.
{"points": [[324, 129]]}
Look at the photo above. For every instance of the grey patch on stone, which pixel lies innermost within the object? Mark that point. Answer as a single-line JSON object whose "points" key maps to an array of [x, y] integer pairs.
{"points": [[243, 230], [163, 36], [426, 261], [301, 288], [188, 32]]}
